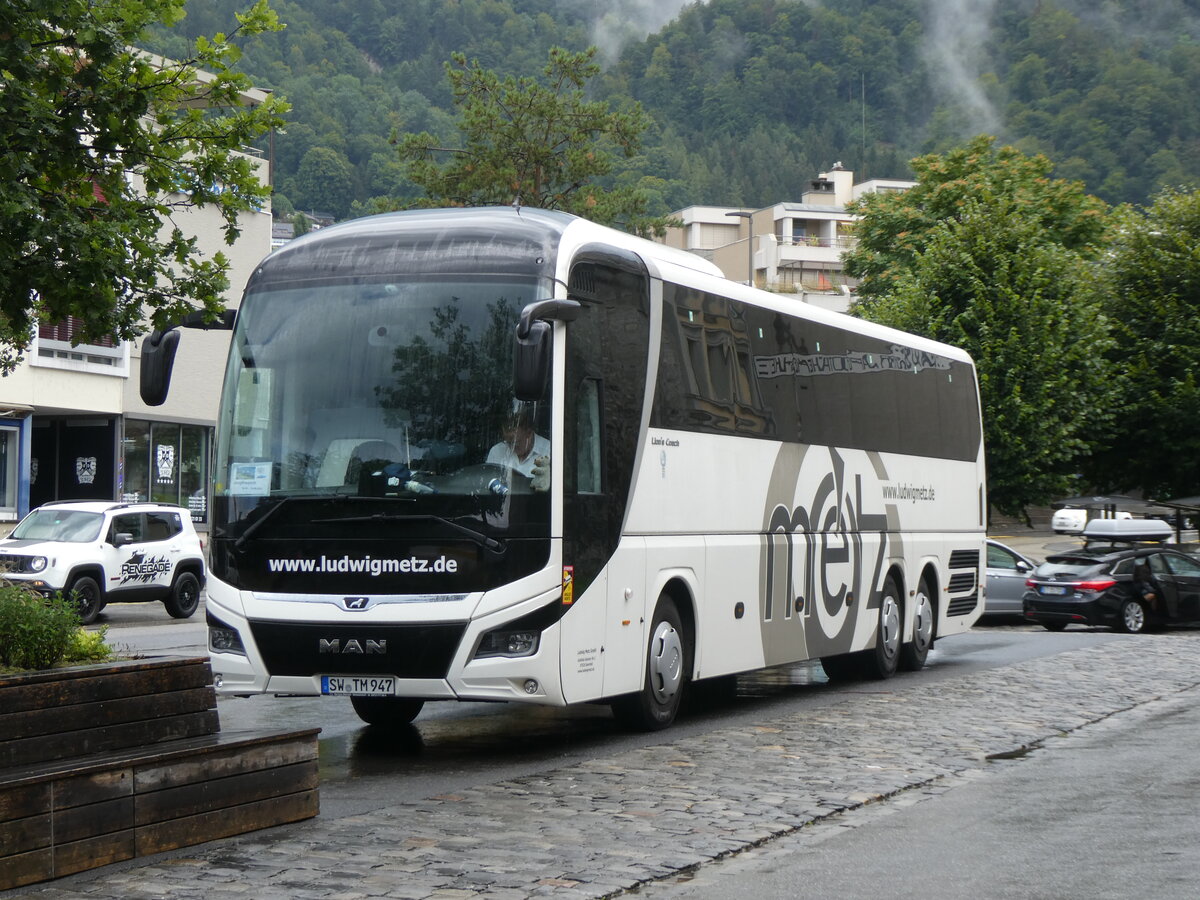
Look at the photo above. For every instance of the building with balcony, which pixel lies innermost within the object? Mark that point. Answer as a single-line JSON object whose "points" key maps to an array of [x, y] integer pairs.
{"points": [[791, 247], [72, 422]]}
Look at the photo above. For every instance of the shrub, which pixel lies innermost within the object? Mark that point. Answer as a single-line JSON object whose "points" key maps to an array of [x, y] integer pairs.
{"points": [[88, 646], [35, 632]]}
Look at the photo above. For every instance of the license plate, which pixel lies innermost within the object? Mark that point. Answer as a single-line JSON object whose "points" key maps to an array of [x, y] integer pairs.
{"points": [[358, 685], [1053, 589]]}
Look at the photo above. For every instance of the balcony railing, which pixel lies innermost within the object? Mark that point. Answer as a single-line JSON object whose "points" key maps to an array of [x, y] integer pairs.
{"points": [[837, 243]]}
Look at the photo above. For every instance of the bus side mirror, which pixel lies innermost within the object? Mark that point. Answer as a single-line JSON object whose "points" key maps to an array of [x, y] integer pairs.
{"points": [[531, 362], [531, 345], [158, 353], [158, 359]]}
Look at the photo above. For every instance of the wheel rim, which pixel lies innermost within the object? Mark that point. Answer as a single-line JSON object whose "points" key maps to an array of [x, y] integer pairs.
{"points": [[666, 662], [923, 626], [188, 595], [88, 600], [889, 625], [1135, 616]]}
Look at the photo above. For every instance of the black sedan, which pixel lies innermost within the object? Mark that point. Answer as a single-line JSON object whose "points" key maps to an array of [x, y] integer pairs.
{"points": [[1128, 587]]}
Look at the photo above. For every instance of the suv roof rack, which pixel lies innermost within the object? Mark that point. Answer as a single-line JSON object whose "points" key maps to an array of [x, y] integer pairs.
{"points": [[115, 504]]}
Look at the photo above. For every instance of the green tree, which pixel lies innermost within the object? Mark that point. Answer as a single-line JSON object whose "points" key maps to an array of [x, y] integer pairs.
{"points": [[990, 277], [1150, 287], [102, 144], [896, 227], [539, 143], [325, 182]]}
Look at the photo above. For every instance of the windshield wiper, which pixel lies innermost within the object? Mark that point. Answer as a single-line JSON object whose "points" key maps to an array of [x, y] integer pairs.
{"points": [[279, 504], [484, 540], [258, 523]]}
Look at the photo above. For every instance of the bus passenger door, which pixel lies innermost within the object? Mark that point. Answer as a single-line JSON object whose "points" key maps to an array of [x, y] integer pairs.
{"points": [[604, 395], [625, 625]]}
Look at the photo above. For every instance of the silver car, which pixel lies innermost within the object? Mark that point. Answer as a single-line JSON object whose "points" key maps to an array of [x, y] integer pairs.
{"points": [[1006, 573]]}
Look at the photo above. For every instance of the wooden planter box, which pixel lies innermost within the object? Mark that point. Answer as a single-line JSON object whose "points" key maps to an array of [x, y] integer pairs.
{"points": [[108, 762]]}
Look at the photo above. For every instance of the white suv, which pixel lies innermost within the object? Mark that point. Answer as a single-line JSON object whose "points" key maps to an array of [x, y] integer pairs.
{"points": [[105, 552]]}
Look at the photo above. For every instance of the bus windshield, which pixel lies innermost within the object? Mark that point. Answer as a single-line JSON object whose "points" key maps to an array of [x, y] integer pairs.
{"points": [[390, 390]]}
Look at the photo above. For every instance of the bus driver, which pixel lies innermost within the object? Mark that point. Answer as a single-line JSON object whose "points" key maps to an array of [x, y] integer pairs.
{"points": [[523, 450]]}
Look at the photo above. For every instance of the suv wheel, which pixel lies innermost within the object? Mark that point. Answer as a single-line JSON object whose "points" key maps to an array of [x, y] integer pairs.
{"points": [[86, 594], [185, 596]]}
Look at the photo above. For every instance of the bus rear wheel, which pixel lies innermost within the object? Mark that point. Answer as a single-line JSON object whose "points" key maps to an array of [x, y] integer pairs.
{"points": [[387, 711], [667, 664], [882, 660], [914, 653]]}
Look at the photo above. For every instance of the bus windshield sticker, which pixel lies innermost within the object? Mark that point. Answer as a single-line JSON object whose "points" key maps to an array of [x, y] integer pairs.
{"points": [[250, 479]]}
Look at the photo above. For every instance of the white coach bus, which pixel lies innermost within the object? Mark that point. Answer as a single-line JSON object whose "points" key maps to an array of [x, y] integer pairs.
{"points": [[501, 454]]}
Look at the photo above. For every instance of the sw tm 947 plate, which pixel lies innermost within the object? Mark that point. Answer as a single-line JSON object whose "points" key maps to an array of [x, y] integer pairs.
{"points": [[358, 685]]}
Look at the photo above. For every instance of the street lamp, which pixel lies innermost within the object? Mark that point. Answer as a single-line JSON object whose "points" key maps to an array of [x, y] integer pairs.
{"points": [[749, 217]]}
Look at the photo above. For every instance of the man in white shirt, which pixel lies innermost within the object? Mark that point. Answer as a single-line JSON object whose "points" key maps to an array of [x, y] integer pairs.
{"points": [[523, 451]]}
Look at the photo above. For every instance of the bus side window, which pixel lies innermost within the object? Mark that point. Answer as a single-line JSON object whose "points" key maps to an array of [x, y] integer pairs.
{"points": [[587, 432]]}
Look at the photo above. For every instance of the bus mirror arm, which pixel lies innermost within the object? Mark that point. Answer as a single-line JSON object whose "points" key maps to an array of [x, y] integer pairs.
{"points": [[159, 348], [545, 310], [531, 345]]}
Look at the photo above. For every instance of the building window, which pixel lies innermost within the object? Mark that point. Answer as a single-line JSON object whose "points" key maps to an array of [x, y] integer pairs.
{"points": [[8, 473], [167, 463], [53, 348]]}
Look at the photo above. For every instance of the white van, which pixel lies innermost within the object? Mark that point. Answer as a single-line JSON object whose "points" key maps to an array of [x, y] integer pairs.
{"points": [[1072, 521]]}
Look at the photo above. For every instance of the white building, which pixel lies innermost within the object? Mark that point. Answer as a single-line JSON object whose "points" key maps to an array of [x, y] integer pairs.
{"points": [[790, 247], [72, 423]]}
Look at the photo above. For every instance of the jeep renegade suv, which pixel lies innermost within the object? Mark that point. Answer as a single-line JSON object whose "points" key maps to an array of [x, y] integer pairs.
{"points": [[105, 552]]}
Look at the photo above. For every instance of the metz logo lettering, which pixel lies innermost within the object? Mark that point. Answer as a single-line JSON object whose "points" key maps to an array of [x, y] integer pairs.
{"points": [[142, 570], [822, 544]]}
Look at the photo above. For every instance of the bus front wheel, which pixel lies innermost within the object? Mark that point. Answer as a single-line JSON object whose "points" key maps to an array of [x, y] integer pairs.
{"points": [[386, 711], [655, 705]]}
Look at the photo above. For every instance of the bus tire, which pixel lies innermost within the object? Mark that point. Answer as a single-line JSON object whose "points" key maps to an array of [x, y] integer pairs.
{"points": [[387, 711], [914, 653], [667, 662], [184, 599], [882, 660], [88, 600]]}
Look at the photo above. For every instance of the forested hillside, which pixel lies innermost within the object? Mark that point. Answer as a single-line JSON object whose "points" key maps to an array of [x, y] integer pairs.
{"points": [[751, 98]]}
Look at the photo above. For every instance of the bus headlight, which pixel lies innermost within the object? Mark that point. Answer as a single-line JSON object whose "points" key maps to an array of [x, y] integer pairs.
{"points": [[223, 639], [508, 643], [520, 637]]}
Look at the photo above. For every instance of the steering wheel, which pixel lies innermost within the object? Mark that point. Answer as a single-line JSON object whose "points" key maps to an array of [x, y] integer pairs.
{"points": [[488, 478]]}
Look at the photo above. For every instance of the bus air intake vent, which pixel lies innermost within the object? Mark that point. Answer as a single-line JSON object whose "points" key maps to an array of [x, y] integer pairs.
{"points": [[964, 559], [962, 581], [583, 280]]}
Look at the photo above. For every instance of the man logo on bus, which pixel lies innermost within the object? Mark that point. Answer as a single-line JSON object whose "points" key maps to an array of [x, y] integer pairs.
{"points": [[356, 602]]}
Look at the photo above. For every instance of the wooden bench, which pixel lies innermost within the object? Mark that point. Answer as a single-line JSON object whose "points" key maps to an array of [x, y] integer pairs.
{"points": [[110, 762]]}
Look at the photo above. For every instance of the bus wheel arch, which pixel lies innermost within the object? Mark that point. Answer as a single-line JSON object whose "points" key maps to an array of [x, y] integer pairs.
{"points": [[923, 604], [670, 651]]}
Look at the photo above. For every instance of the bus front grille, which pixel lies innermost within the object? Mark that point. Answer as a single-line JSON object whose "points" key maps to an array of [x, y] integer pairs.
{"points": [[406, 651]]}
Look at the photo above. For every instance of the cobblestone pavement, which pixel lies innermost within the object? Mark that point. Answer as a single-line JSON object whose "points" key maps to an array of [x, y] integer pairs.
{"points": [[633, 817]]}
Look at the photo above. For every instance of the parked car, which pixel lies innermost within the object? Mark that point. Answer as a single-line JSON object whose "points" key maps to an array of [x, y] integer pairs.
{"points": [[1101, 583], [1175, 519], [1006, 573], [1073, 521], [103, 552]]}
